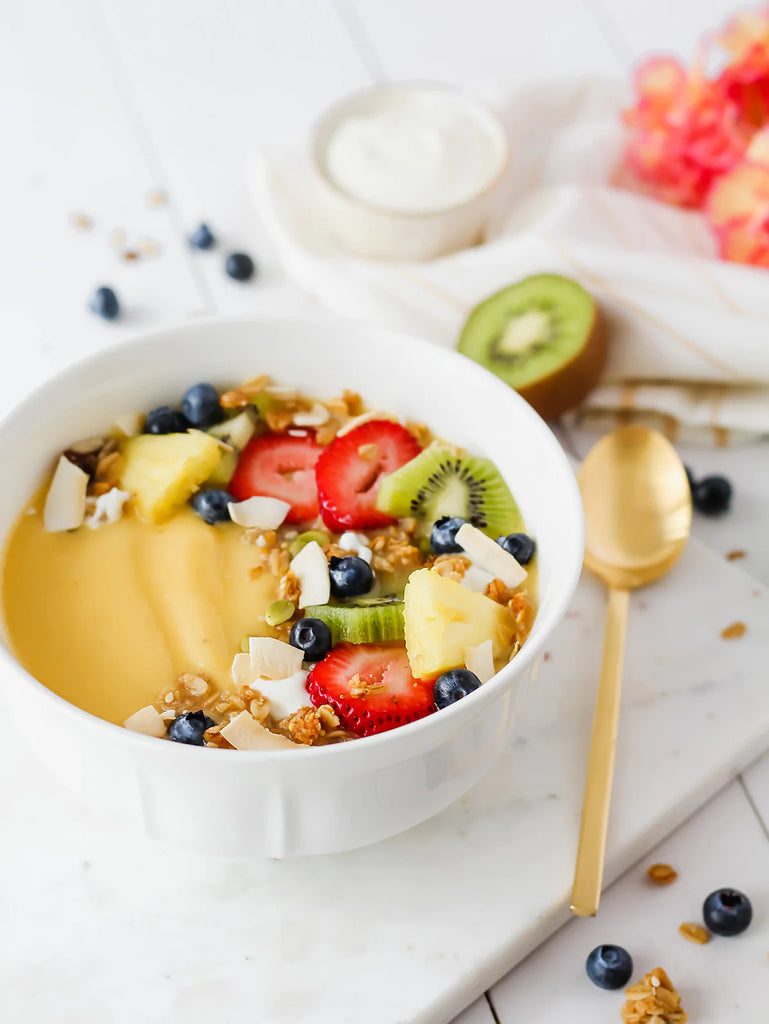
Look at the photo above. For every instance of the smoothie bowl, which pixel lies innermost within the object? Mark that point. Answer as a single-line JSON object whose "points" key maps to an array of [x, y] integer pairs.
{"points": [[270, 587]]}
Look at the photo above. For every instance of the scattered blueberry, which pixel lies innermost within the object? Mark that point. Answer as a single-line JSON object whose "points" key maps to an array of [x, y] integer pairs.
{"points": [[453, 685], [519, 545], [201, 407], [211, 505], [165, 420], [712, 495], [609, 967], [311, 636], [239, 266], [189, 728], [350, 576], [727, 912], [443, 538], [104, 303], [202, 238]]}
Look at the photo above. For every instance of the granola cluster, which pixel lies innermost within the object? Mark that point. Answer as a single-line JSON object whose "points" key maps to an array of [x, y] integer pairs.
{"points": [[99, 457], [653, 1000]]}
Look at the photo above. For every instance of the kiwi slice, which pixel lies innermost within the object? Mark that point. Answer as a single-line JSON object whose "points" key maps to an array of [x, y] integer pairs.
{"points": [[361, 623], [439, 483], [543, 336]]}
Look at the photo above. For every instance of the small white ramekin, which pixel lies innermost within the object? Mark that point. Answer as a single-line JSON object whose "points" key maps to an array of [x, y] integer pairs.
{"points": [[378, 232], [312, 800]]}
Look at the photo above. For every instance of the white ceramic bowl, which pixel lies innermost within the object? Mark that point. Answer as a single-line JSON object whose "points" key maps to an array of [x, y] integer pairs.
{"points": [[319, 800], [388, 234]]}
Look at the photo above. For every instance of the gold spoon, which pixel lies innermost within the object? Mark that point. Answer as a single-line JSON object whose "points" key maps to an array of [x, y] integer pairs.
{"points": [[638, 512]]}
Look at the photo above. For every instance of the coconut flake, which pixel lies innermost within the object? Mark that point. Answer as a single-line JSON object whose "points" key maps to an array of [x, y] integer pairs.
{"points": [[130, 424], [273, 659], [146, 721], [311, 571], [480, 660], [87, 445], [358, 543], [65, 502], [487, 554], [476, 579], [245, 733], [242, 672], [259, 512], [285, 695], [366, 417], [108, 508], [316, 417]]}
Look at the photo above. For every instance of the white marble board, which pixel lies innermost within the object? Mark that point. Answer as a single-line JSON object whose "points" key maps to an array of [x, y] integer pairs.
{"points": [[124, 929]]}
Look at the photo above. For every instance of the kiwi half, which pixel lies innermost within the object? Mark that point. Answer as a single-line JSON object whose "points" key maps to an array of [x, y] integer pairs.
{"points": [[361, 623], [439, 483], [543, 336]]}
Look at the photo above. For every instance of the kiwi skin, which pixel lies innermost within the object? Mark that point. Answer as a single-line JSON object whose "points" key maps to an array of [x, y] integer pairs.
{"points": [[571, 383]]}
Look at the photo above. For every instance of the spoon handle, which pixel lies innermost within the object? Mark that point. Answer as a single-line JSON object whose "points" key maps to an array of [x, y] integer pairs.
{"points": [[588, 874]]}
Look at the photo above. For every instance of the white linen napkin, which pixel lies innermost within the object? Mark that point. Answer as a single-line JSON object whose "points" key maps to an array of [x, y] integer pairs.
{"points": [[689, 333]]}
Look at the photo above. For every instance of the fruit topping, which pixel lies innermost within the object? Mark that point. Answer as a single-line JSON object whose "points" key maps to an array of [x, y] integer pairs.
{"points": [[543, 337], [480, 660], [201, 407], [237, 431], [239, 266], [442, 619], [65, 501], [609, 967], [361, 624], [312, 636], [163, 471], [190, 728], [486, 554], [452, 686], [727, 912], [443, 537], [165, 420], [438, 483], [370, 688], [310, 569], [280, 466], [519, 545], [273, 659], [202, 237], [350, 576], [212, 505], [712, 495], [348, 482], [259, 513], [104, 303], [146, 721]]}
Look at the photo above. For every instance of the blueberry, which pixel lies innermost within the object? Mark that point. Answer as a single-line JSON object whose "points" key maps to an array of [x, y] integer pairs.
{"points": [[239, 266], [104, 303], [712, 495], [165, 420], [453, 685], [201, 407], [350, 576], [727, 912], [201, 237], [311, 636], [211, 505], [609, 967], [519, 545], [189, 728], [443, 538]]}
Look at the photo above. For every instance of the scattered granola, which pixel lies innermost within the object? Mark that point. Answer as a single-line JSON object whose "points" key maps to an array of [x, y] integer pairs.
{"points": [[653, 1000], [735, 554], [453, 567], [155, 198], [734, 632], [662, 874], [81, 222], [694, 933]]}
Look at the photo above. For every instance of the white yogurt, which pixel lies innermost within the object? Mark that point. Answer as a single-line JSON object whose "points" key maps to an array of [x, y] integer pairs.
{"points": [[416, 151]]}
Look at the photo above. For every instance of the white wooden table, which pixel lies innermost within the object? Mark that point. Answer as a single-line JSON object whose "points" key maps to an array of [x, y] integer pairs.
{"points": [[103, 100]]}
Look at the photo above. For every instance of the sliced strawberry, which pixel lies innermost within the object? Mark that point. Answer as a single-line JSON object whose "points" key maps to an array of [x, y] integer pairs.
{"points": [[371, 688], [279, 466], [348, 478]]}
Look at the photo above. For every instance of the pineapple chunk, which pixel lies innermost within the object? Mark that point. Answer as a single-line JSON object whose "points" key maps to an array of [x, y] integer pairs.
{"points": [[442, 619], [162, 470]]}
